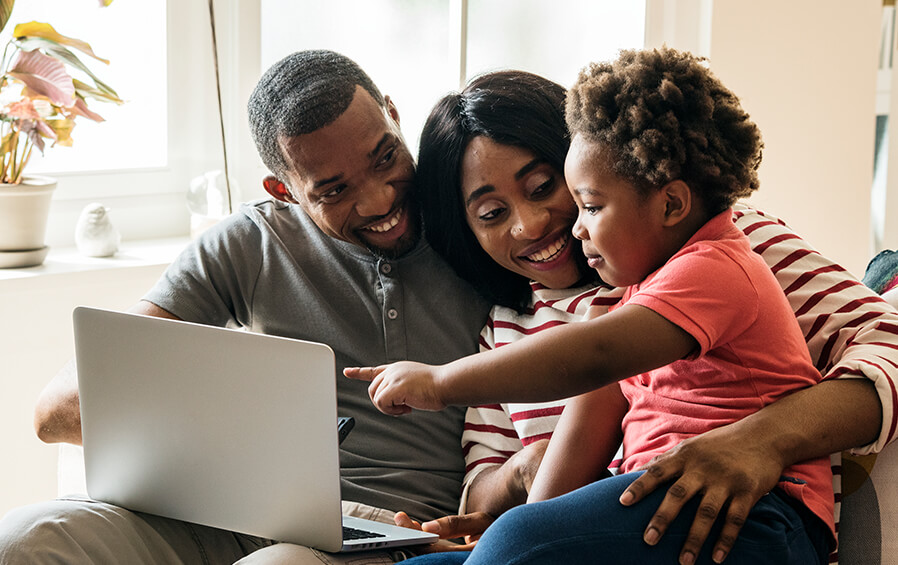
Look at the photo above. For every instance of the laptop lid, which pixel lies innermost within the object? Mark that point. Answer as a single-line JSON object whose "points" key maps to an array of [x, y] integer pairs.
{"points": [[214, 426]]}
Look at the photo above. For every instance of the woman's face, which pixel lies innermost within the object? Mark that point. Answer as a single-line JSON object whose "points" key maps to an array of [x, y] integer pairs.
{"points": [[521, 212]]}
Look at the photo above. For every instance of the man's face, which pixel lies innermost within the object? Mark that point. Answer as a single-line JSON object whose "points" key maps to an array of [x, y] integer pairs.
{"points": [[354, 178]]}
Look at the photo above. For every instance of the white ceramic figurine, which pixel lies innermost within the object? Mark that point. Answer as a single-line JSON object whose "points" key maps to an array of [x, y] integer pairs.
{"points": [[95, 236]]}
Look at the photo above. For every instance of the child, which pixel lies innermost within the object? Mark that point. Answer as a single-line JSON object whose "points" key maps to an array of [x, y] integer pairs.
{"points": [[703, 336]]}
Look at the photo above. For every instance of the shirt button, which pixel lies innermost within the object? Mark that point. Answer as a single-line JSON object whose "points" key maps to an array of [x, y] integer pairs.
{"points": [[392, 314], [386, 268]]}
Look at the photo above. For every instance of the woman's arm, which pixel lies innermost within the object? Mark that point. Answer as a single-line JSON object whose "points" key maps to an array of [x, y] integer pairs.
{"points": [[585, 441]]}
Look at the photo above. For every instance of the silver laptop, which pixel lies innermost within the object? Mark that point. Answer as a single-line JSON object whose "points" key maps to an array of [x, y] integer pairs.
{"points": [[219, 427]]}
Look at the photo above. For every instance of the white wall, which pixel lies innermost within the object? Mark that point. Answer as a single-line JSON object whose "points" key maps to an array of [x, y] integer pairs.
{"points": [[806, 73]]}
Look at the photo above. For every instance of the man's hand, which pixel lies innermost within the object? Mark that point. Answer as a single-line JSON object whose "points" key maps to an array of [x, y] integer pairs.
{"points": [[467, 526], [398, 388], [721, 466]]}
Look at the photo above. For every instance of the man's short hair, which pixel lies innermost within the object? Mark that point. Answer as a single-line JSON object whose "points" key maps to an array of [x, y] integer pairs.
{"points": [[300, 94]]}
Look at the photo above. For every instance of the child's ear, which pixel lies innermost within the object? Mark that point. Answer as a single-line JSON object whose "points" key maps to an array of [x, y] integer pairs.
{"points": [[677, 202]]}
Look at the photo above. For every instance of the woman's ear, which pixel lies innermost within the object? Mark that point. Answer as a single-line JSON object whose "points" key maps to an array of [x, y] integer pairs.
{"points": [[677, 202], [277, 189]]}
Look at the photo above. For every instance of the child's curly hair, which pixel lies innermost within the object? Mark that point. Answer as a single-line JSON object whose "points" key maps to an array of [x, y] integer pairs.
{"points": [[664, 116]]}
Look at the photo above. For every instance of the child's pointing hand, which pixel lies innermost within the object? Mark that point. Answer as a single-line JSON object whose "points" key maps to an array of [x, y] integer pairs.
{"points": [[398, 388]]}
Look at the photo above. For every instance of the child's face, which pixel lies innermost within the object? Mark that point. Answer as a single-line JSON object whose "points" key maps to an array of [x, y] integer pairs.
{"points": [[622, 233]]}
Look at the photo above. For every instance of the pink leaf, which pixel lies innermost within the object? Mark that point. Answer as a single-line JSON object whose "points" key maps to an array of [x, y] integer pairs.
{"points": [[45, 76]]}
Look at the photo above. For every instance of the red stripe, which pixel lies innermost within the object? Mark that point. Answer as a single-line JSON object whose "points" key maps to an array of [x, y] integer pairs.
{"points": [[483, 343], [824, 359], [497, 460], [532, 439], [791, 258], [757, 225], [887, 327], [882, 344], [818, 296], [806, 277], [528, 331], [490, 407], [536, 413], [468, 446], [889, 361], [490, 429], [841, 371], [761, 248]]}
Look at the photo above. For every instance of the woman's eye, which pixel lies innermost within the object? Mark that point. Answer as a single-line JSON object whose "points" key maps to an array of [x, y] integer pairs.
{"points": [[544, 187], [491, 214]]}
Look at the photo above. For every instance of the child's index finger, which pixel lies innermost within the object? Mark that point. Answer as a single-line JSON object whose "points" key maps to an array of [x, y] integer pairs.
{"points": [[362, 373]]}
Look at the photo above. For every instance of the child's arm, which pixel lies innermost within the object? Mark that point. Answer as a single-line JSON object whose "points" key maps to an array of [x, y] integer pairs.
{"points": [[583, 444], [556, 363]]}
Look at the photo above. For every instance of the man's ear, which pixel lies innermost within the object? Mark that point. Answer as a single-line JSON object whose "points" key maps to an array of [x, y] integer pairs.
{"points": [[677, 197], [391, 109], [277, 189]]}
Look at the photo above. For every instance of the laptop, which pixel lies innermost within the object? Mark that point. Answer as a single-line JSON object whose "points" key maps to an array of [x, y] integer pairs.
{"points": [[219, 427]]}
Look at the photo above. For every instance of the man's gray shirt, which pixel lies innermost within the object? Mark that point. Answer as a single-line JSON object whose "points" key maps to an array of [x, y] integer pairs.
{"points": [[269, 269]]}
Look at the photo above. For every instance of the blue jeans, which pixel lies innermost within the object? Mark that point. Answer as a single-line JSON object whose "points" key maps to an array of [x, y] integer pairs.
{"points": [[589, 525]]}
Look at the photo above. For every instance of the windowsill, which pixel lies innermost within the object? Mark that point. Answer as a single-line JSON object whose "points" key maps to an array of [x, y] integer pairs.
{"points": [[131, 254]]}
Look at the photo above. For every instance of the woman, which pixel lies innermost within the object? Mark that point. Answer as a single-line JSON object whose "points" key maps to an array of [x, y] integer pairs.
{"points": [[495, 205]]}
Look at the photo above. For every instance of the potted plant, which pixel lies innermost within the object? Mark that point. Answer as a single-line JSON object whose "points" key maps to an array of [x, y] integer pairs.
{"points": [[39, 103]]}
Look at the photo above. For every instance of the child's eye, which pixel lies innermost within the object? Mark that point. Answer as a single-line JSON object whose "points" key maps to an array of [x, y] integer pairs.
{"points": [[592, 210]]}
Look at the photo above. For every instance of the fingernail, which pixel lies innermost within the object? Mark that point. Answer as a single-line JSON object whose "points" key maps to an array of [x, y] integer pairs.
{"points": [[719, 556], [627, 498], [687, 558], [432, 527], [651, 536]]}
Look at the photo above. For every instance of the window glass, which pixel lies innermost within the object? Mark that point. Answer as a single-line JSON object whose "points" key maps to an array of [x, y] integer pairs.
{"points": [[131, 35], [553, 39], [402, 44]]}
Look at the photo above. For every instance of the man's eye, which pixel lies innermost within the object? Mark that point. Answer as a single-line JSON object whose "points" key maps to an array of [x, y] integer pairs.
{"points": [[334, 192], [387, 157]]}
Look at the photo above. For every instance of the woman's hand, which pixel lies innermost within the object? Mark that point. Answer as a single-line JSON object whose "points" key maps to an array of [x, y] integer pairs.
{"points": [[724, 468], [467, 526], [398, 388]]}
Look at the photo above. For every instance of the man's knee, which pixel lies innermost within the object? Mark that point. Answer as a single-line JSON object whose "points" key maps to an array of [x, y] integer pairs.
{"points": [[77, 531]]}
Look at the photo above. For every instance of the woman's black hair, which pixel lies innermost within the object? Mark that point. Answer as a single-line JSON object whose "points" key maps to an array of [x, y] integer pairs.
{"points": [[509, 107]]}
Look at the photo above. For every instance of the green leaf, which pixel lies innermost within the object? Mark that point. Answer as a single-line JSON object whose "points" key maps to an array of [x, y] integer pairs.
{"points": [[86, 91], [5, 12]]}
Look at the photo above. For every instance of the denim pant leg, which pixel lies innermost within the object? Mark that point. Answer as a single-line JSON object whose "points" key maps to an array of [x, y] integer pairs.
{"points": [[589, 525]]}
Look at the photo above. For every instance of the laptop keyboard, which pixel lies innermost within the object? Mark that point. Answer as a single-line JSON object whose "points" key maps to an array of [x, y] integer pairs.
{"points": [[353, 534]]}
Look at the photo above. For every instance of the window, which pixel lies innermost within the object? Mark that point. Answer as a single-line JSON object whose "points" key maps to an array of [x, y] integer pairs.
{"points": [[417, 51], [121, 33]]}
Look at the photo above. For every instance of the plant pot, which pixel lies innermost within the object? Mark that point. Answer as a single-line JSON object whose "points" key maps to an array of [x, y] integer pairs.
{"points": [[24, 209]]}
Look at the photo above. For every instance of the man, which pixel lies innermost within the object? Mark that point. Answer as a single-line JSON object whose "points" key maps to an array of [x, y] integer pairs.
{"points": [[337, 257]]}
